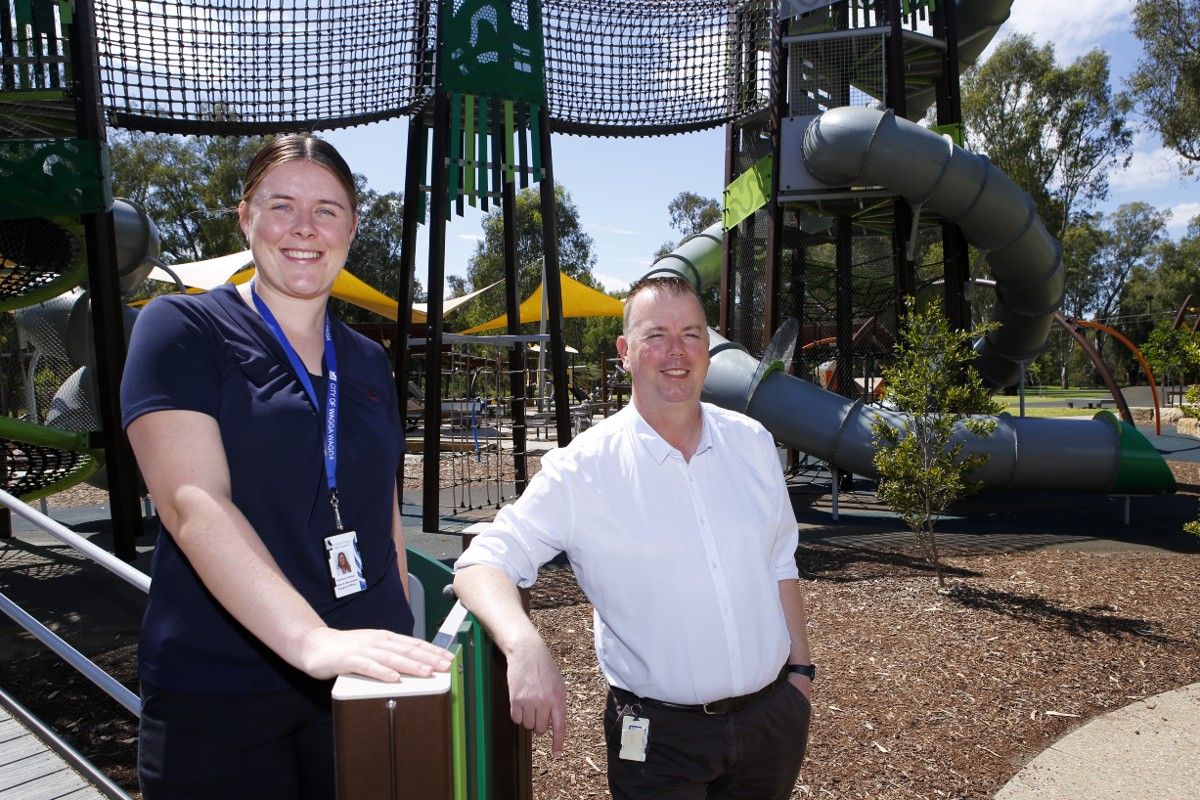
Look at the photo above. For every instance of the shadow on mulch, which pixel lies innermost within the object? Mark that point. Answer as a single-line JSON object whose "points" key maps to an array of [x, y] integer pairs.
{"points": [[849, 564], [1052, 616]]}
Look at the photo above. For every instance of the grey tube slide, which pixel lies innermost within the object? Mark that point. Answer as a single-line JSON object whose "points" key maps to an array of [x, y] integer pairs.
{"points": [[848, 146]]}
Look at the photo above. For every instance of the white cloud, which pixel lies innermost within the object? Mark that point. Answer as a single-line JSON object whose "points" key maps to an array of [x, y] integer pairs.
{"points": [[469, 237], [612, 283], [1149, 169], [1181, 215], [1073, 26]]}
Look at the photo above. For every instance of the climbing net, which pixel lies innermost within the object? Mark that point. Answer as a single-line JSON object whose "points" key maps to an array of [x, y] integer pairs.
{"points": [[613, 68], [257, 66], [639, 67]]}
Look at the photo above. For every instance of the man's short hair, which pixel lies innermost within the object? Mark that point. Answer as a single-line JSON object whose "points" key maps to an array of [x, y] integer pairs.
{"points": [[667, 283]]}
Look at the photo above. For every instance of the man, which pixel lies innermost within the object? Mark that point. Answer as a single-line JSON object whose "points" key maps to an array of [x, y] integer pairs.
{"points": [[676, 520]]}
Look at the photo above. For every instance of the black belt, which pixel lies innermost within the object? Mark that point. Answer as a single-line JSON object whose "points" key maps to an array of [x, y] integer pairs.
{"points": [[726, 706]]}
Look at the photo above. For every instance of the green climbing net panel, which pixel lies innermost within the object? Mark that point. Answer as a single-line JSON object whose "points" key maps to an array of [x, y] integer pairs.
{"points": [[492, 67]]}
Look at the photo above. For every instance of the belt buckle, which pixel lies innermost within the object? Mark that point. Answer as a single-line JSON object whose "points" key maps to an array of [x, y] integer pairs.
{"points": [[706, 710], [718, 707]]}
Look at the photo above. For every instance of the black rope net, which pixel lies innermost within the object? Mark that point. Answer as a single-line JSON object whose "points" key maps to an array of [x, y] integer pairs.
{"points": [[33, 253], [644, 67], [260, 66], [30, 468], [613, 68]]}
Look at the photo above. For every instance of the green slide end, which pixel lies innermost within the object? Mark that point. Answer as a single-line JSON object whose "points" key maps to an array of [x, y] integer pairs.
{"points": [[1140, 468]]}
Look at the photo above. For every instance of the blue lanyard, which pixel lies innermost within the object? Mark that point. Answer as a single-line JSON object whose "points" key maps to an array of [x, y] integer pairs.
{"points": [[331, 395]]}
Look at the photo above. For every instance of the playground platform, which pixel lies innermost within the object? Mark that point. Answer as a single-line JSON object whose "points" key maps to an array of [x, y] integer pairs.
{"points": [[30, 768]]}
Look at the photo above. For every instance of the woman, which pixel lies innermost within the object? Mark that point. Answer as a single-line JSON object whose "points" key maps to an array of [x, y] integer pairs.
{"points": [[268, 434]]}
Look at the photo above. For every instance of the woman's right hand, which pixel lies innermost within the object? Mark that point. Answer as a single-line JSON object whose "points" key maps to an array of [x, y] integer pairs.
{"points": [[382, 655]]}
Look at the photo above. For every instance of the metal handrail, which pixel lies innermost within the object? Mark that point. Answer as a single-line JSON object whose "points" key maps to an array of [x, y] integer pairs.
{"points": [[108, 684], [76, 659], [130, 575]]}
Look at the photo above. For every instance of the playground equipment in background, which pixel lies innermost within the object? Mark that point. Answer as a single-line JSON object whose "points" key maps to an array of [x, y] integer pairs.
{"points": [[869, 386], [1105, 373], [52, 448], [856, 146]]}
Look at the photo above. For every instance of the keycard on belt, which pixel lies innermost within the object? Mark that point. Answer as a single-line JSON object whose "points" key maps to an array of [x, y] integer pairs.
{"points": [[635, 737]]}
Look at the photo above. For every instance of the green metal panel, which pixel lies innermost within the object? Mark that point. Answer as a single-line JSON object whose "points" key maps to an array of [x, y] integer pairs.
{"points": [[487, 49], [1140, 467], [458, 728], [453, 184], [748, 192], [481, 677], [434, 576], [48, 177], [469, 157], [955, 129]]}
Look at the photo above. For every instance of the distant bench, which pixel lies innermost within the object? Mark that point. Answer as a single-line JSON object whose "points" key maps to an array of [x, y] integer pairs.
{"points": [[1090, 402]]}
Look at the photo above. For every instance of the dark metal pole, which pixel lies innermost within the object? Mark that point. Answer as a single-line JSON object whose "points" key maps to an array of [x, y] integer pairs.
{"points": [[417, 142], [728, 260], [516, 354], [433, 338], [844, 293], [902, 212], [956, 255], [778, 100], [104, 291], [553, 290]]}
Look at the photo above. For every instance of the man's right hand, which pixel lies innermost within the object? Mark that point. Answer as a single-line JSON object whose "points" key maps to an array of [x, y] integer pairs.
{"points": [[536, 691]]}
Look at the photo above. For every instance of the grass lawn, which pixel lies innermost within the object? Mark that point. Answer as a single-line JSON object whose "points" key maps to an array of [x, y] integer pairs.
{"points": [[1030, 411], [1054, 391]]}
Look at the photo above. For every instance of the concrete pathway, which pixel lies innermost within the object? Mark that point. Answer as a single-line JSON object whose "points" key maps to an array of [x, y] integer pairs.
{"points": [[1148, 749]]}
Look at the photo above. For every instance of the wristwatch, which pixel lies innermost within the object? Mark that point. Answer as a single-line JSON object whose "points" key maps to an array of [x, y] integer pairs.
{"points": [[807, 670]]}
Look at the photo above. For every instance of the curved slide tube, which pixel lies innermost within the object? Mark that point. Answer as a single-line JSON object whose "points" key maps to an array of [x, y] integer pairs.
{"points": [[860, 146], [851, 145]]}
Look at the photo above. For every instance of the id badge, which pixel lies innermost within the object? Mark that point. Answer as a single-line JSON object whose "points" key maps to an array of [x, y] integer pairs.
{"points": [[345, 564], [635, 738]]}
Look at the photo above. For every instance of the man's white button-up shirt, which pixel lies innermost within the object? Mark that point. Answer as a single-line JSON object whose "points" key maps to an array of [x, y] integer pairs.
{"points": [[681, 560]]}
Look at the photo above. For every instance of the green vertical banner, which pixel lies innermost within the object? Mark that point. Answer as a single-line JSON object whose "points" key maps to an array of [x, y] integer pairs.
{"points": [[492, 50]]}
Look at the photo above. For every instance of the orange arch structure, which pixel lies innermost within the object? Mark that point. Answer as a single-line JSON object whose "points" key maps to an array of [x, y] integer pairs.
{"points": [[1136, 354]]}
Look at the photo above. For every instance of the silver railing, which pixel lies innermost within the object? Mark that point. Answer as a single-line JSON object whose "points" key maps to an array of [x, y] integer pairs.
{"points": [[78, 660]]}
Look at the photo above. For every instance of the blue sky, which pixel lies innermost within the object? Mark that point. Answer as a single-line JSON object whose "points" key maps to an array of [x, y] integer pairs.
{"points": [[622, 186]]}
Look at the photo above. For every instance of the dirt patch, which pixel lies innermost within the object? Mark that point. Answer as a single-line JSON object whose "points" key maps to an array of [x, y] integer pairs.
{"points": [[931, 695]]}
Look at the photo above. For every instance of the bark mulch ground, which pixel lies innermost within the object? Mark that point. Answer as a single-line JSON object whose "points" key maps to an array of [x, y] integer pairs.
{"points": [[921, 694]]}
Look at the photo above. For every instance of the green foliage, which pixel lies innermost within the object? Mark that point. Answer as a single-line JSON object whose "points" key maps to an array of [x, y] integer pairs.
{"points": [[486, 266], [1170, 350], [189, 186], [374, 255], [691, 214], [1158, 287], [1057, 131], [1191, 402], [1166, 83], [921, 464]]}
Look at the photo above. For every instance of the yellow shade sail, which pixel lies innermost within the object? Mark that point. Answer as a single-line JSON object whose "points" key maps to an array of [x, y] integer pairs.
{"points": [[578, 301], [238, 268]]}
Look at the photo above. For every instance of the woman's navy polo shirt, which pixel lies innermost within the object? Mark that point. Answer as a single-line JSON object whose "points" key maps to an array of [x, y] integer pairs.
{"points": [[213, 354]]}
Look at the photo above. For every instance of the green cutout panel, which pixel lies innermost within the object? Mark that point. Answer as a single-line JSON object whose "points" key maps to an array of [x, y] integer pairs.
{"points": [[487, 49]]}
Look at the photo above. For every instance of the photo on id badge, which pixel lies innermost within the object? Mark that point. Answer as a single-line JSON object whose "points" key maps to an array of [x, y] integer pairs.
{"points": [[345, 565]]}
